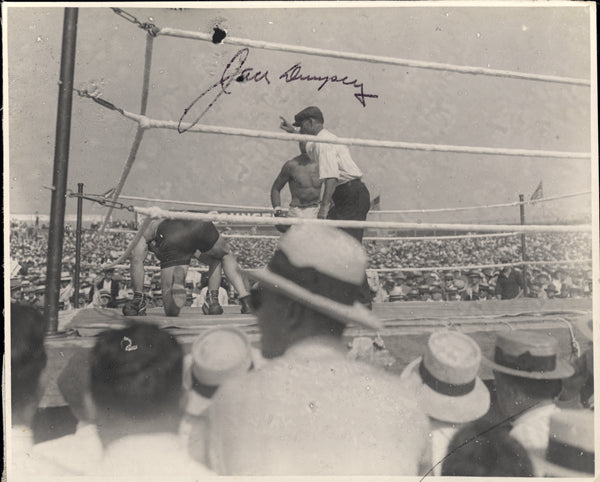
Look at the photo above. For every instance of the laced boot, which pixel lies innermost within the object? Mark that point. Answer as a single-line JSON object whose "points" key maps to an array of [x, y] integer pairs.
{"points": [[246, 305], [137, 307], [211, 306]]}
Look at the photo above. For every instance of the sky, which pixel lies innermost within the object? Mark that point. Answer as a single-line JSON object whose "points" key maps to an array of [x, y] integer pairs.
{"points": [[413, 105]]}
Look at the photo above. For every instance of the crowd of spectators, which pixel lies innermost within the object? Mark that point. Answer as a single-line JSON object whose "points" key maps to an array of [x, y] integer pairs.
{"points": [[303, 404], [28, 252]]}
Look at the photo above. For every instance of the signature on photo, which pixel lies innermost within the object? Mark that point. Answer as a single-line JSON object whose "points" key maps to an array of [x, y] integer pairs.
{"points": [[236, 72]]}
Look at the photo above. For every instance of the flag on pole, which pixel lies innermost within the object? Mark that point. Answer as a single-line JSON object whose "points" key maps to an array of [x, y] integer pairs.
{"points": [[538, 193], [376, 203]]}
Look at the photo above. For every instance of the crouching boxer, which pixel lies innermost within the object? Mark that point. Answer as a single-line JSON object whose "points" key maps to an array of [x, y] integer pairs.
{"points": [[175, 242]]}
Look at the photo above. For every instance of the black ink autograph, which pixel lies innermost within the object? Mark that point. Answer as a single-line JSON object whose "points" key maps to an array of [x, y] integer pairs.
{"points": [[294, 73], [234, 72]]}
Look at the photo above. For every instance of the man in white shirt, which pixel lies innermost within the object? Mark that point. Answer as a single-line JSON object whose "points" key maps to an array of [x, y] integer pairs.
{"points": [[344, 196], [136, 385], [311, 410]]}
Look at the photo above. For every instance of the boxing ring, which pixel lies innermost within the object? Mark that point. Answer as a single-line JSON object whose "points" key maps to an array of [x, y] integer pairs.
{"points": [[406, 324]]}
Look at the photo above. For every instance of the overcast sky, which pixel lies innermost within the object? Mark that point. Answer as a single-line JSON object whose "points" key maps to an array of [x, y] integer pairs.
{"points": [[413, 105]]}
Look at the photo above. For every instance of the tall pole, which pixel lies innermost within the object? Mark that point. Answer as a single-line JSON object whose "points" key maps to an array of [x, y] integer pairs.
{"points": [[523, 246], [78, 243], [61, 164]]}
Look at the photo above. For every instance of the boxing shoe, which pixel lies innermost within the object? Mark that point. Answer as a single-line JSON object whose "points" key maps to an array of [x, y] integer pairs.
{"points": [[211, 306], [178, 290], [137, 307], [246, 305]]}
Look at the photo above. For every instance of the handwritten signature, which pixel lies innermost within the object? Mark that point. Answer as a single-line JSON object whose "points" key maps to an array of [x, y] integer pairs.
{"points": [[234, 71]]}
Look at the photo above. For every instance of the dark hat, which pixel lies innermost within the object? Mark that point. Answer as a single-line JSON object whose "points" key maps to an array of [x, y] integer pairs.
{"points": [[311, 112]]}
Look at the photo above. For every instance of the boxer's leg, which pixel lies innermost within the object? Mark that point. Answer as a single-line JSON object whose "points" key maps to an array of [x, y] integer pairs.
{"points": [[173, 300]]}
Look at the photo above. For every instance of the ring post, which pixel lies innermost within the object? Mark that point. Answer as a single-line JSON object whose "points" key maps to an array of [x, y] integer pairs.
{"points": [[78, 244], [523, 254], [61, 163]]}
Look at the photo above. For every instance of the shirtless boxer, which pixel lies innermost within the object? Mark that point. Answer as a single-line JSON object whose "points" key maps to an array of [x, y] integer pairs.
{"points": [[175, 242], [302, 175]]}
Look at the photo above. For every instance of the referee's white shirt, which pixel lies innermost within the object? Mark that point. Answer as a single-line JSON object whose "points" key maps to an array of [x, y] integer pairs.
{"points": [[334, 159]]}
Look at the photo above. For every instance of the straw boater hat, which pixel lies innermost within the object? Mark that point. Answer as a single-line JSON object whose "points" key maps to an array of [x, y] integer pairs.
{"points": [[529, 354], [322, 268], [448, 387], [216, 355], [570, 450]]}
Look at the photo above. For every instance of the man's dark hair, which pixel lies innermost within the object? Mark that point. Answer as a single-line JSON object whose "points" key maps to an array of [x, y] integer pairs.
{"points": [[27, 353], [534, 389], [136, 371], [475, 452]]}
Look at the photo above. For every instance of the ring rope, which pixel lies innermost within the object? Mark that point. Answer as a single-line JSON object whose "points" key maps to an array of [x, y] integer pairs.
{"points": [[485, 206], [139, 132], [481, 266], [575, 348], [365, 238], [148, 123], [387, 238], [172, 32], [156, 212], [400, 211]]}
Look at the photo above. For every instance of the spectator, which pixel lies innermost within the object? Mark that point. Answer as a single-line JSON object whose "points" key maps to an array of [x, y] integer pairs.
{"points": [[27, 361], [106, 283], [136, 385], [66, 291], [74, 454], [528, 374], [311, 410], [216, 355], [509, 284], [476, 451], [570, 451], [447, 387], [578, 390]]}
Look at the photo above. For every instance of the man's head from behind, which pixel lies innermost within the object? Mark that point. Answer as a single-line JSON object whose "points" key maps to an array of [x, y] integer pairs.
{"points": [[136, 374], [477, 451], [528, 369], [27, 359], [310, 288]]}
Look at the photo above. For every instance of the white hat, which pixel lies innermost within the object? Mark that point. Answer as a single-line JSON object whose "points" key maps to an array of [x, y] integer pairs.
{"points": [[570, 450], [216, 355], [446, 380], [529, 354], [320, 267]]}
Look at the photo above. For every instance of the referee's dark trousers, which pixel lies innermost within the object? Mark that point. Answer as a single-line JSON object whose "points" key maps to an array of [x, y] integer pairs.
{"points": [[352, 201]]}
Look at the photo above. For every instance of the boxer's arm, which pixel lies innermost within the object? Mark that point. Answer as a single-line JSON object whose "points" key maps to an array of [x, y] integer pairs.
{"points": [[280, 181], [329, 186]]}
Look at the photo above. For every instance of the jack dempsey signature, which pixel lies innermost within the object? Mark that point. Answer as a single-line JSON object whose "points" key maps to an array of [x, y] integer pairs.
{"points": [[234, 71]]}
